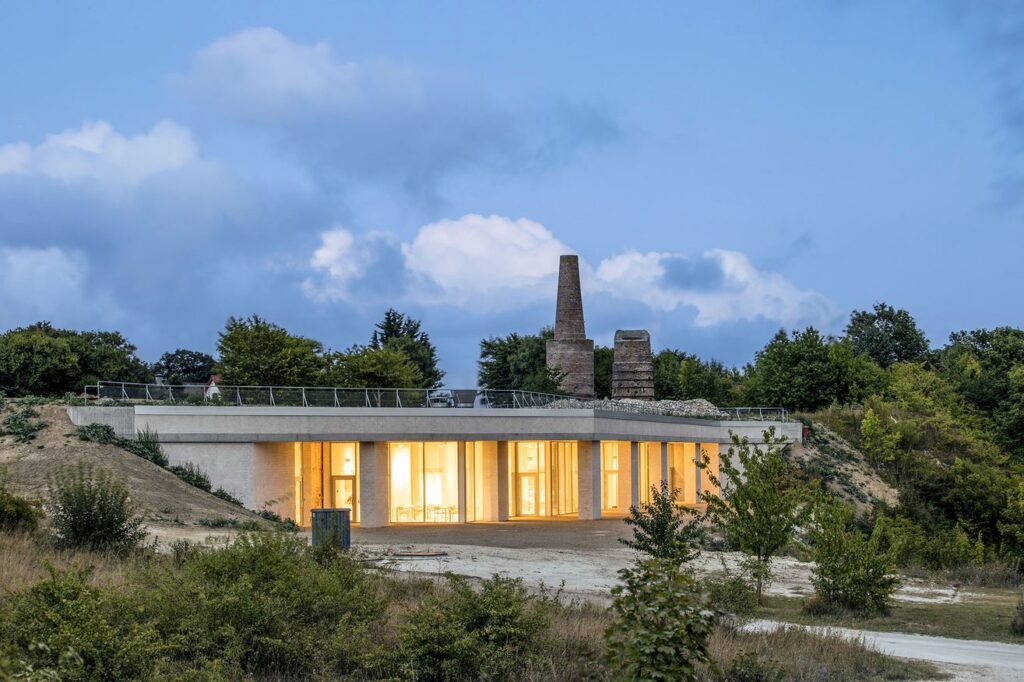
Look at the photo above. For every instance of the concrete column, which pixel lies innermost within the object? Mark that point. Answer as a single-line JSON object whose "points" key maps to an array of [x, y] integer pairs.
{"points": [[589, 453], [503, 492], [373, 484], [634, 475], [462, 480], [490, 477], [697, 473], [664, 463]]}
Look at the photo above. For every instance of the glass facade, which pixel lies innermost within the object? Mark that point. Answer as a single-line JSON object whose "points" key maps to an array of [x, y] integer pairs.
{"points": [[610, 462], [424, 482], [682, 468], [543, 478]]}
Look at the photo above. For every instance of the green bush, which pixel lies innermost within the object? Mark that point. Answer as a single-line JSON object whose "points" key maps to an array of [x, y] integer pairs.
{"points": [[191, 474], [92, 510], [226, 496], [662, 626], [471, 635], [731, 592], [263, 606], [62, 626], [850, 572], [97, 433], [17, 513], [663, 529], [23, 425], [146, 444]]}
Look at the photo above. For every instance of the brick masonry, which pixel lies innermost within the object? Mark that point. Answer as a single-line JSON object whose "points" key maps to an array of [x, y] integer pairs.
{"points": [[633, 365], [571, 352]]}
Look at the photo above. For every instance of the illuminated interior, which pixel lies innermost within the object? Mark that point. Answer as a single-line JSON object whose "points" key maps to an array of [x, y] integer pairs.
{"points": [[682, 471], [650, 470], [610, 475], [326, 475], [544, 478], [711, 451], [475, 481], [424, 482]]}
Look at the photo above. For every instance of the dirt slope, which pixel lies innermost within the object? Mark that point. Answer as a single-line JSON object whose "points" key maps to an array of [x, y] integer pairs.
{"points": [[161, 497], [843, 468]]}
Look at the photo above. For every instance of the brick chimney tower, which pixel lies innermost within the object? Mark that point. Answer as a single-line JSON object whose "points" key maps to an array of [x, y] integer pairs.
{"points": [[633, 365], [571, 352]]}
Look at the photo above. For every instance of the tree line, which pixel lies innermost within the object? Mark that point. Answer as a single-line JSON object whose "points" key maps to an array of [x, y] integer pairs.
{"points": [[43, 360]]}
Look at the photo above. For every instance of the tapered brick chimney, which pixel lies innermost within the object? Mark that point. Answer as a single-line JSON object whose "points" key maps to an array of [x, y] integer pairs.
{"points": [[571, 352]]}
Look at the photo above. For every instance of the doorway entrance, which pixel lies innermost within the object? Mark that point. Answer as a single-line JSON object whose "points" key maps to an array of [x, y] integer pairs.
{"points": [[544, 478]]}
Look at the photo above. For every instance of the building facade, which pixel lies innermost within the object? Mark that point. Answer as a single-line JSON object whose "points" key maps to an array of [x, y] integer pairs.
{"points": [[409, 465]]}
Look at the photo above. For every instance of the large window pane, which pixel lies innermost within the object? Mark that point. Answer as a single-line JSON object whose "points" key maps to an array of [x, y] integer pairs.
{"points": [[424, 482]]}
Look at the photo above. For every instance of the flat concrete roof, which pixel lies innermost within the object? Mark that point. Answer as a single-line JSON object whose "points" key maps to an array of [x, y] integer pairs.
{"points": [[185, 423]]}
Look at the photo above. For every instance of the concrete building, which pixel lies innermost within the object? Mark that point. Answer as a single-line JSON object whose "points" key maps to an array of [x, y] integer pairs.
{"points": [[394, 465]]}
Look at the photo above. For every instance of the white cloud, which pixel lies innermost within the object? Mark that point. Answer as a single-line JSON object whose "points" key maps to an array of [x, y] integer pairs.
{"points": [[484, 261], [493, 263], [732, 289], [98, 154], [50, 283]]}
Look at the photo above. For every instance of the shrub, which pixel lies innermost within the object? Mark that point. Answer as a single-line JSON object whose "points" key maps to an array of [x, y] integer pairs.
{"points": [[469, 635], [23, 425], [749, 668], [17, 513], [850, 572], [226, 496], [97, 433], [92, 510], [146, 444], [662, 628], [664, 530], [288, 525], [64, 626], [1017, 626], [263, 606], [731, 592], [191, 474]]}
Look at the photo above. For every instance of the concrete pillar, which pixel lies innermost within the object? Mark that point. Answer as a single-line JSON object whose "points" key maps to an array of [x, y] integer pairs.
{"points": [[462, 480], [490, 480], [664, 463], [373, 484], [698, 472], [589, 453], [503, 492], [634, 475]]}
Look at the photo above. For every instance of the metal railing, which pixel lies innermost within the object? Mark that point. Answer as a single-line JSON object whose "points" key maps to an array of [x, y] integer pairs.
{"points": [[321, 396]]}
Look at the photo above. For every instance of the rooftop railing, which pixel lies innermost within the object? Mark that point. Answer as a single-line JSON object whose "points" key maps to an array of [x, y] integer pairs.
{"points": [[442, 398]]}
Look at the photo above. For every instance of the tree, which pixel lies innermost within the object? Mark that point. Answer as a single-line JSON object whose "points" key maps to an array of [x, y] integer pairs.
{"points": [[604, 358], [518, 362], [254, 352], [662, 625], [36, 364], [666, 375], [794, 372], [102, 355], [880, 443], [761, 500], [850, 571], [364, 367], [887, 335], [664, 530], [92, 510], [403, 333], [185, 367]]}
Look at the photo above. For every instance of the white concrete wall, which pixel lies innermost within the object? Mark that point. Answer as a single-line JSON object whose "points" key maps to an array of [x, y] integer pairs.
{"points": [[228, 465], [589, 453], [273, 478], [121, 419]]}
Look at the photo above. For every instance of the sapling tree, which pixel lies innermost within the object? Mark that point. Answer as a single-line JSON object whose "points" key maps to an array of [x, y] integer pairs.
{"points": [[664, 530], [759, 500]]}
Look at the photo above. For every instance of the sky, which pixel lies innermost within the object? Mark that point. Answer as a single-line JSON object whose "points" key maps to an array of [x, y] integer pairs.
{"points": [[723, 170]]}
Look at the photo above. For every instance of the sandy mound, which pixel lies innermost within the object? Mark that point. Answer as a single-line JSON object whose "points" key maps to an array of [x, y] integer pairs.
{"points": [[161, 497]]}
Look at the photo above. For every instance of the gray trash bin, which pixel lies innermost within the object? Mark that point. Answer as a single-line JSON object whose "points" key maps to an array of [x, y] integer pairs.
{"points": [[332, 526]]}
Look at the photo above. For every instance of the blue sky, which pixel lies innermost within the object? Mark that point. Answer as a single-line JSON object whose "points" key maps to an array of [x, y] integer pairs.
{"points": [[722, 169]]}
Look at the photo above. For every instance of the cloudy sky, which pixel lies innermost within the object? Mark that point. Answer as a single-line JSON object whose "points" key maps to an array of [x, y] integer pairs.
{"points": [[722, 169]]}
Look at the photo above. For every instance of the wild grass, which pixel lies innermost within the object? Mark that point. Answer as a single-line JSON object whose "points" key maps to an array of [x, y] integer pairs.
{"points": [[987, 618]]}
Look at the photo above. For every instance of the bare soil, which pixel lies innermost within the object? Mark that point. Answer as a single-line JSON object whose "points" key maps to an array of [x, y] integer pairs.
{"points": [[164, 501]]}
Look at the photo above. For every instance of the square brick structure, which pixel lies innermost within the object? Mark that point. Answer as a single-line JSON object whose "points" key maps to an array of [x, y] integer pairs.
{"points": [[633, 365]]}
